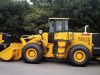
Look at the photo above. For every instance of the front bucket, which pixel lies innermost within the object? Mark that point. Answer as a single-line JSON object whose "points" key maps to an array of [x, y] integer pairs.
{"points": [[14, 52]]}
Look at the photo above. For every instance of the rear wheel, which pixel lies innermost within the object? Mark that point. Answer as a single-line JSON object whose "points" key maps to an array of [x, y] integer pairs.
{"points": [[32, 53], [79, 55]]}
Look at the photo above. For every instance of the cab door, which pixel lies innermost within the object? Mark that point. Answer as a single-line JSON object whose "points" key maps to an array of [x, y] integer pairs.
{"points": [[60, 36]]}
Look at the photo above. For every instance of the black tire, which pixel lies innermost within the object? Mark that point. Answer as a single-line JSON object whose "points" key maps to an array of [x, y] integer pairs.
{"points": [[71, 55], [38, 49]]}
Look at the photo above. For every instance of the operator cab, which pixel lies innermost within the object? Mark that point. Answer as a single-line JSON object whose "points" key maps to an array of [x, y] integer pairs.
{"points": [[58, 28], [58, 25]]}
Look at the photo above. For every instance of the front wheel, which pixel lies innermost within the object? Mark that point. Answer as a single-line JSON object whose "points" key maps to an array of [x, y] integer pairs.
{"points": [[32, 53], [79, 55]]}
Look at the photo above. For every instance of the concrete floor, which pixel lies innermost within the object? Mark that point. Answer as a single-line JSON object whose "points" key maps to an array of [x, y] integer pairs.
{"points": [[47, 68]]}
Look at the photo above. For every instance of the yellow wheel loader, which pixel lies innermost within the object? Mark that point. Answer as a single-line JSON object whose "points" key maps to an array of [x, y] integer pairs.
{"points": [[59, 43], [8, 50]]}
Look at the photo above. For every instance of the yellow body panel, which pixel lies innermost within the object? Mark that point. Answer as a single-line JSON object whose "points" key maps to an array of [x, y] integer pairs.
{"points": [[45, 39], [49, 53], [75, 38], [62, 43], [61, 36]]}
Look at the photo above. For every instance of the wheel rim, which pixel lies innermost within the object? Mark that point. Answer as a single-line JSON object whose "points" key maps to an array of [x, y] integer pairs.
{"points": [[79, 56], [31, 53]]}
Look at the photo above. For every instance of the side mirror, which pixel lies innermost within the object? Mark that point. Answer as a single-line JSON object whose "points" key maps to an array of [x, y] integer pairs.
{"points": [[40, 31]]}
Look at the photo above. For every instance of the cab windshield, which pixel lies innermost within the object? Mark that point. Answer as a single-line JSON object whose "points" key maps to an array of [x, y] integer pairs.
{"points": [[58, 26]]}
